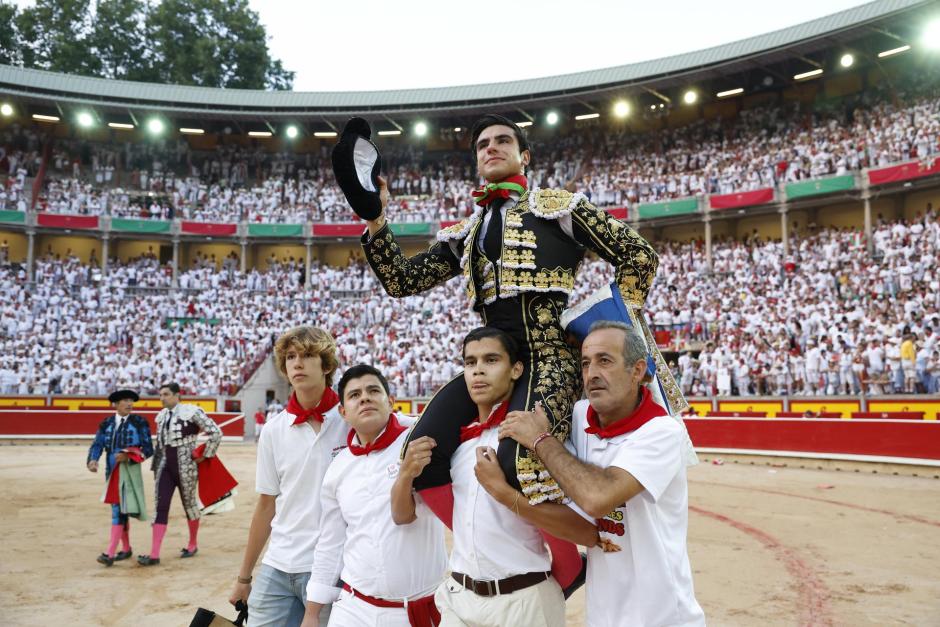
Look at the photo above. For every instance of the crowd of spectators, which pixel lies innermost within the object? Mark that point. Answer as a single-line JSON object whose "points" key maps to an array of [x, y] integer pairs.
{"points": [[758, 148], [826, 318]]}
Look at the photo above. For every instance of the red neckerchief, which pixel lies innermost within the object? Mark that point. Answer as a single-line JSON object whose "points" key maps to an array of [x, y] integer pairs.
{"points": [[475, 429], [327, 402], [645, 411], [486, 194], [392, 430]]}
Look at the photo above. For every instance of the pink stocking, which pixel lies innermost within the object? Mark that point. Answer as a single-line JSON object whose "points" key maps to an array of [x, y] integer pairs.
{"points": [[193, 531], [116, 531], [158, 532]]}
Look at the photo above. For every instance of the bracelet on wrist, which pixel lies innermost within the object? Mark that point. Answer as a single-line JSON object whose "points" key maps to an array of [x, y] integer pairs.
{"points": [[244, 579], [539, 438]]}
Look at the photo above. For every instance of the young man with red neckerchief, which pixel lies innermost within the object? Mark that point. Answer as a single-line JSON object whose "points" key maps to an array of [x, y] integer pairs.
{"points": [[389, 572], [519, 255], [295, 450], [628, 473], [499, 564]]}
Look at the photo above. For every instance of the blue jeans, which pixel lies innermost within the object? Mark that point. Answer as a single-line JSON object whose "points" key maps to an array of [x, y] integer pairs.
{"points": [[278, 599]]}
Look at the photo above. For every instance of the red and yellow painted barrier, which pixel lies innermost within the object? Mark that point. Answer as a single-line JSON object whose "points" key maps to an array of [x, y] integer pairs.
{"points": [[911, 440], [931, 408], [771, 407], [33, 422], [207, 403], [820, 406]]}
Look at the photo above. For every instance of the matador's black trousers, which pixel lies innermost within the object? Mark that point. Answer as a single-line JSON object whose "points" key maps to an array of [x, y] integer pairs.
{"points": [[551, 375]]}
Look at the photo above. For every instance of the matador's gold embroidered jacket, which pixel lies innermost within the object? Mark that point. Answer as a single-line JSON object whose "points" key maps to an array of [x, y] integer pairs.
{"points": [[545, 235]]}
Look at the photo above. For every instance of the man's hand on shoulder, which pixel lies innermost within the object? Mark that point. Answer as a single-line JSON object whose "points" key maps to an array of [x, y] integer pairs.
{"points": [[417, 456], [525, 426], [490, 474]]}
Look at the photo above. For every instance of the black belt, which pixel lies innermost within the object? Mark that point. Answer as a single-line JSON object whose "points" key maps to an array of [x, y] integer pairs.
{"points": [[502, 586]]}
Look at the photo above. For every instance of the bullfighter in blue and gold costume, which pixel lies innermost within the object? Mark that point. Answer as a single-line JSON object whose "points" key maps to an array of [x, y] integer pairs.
{"points": [[124, 438]]}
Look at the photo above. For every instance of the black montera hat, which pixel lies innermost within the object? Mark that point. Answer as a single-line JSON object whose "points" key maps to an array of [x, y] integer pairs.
{"points": [[120, 395]]}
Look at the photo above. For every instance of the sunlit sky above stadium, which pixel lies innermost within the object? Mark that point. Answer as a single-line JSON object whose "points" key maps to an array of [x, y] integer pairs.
{"points": [[354, 45]]}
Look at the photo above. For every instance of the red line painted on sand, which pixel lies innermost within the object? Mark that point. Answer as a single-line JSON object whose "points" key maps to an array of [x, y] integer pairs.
{"points": [[874, 510], [813, 593]]}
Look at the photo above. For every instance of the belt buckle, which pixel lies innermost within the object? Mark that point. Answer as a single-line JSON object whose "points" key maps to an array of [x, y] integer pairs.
{"points": [[492, 588]]}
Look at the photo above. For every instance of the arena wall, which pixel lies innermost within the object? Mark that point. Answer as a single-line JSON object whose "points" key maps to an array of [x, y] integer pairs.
{"points": [[898, 441], [915, 204], [259, 254], [850, 214], [339, 255], [95, 402], [63, 423], [125, 249], [65, 245], [18, 245], [221, 250], [766, 226]]}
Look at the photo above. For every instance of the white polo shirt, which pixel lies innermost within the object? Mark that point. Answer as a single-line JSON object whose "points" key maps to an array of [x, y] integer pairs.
{"points": [[292, 460], [490, 541], [648, 582], [359, 540]]}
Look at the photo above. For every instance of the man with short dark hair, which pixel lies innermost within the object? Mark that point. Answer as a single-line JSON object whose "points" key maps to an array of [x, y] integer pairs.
{"points": [[627, 473], [175, 466], [500, 565], [389, 572], [519, 253]]}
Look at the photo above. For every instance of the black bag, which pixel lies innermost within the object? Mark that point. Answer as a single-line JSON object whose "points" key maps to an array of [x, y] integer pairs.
{"points": [[206, 618]]}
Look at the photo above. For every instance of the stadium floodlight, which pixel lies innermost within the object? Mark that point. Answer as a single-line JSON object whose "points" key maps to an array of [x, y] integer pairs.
{"points": [[6, 109], [931, 35], [621, 108], [524, 124], [652, 107], [893, 51], [191, 131], [457, 129], [155, 126], [259, 133], [389, 133], [421, 129], [587, 116], [690, 97], [121, 125], [45, 118], [847, 60], [552, 118], [810, 74], [292, 132], [324, 134], [730, 92], [85, 119]]}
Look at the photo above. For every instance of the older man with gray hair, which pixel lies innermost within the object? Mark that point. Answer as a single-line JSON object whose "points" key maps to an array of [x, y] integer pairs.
{"points": [[627, 473]]}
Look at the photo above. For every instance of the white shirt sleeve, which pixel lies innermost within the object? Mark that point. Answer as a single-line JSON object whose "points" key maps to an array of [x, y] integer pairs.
{"points": [[328, 556], [580, 512], [652, 454], [565, 223], [266, 479]]}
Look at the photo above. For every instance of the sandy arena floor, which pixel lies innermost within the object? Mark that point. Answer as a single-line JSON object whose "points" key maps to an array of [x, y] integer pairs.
{"points": [[769, 546]]}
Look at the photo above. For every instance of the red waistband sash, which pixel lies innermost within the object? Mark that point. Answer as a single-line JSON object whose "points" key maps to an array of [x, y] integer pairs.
{"points": [[421, 612]]}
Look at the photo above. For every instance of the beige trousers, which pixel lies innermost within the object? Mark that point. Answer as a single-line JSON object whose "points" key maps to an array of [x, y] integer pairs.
{"points": [[541, 605]]}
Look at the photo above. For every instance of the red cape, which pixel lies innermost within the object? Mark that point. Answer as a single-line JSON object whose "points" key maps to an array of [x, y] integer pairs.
{"points": [[215, 481]]}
